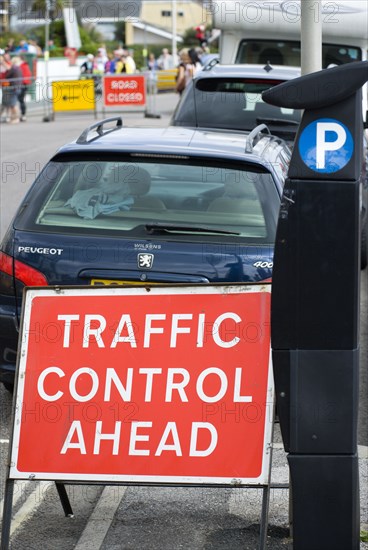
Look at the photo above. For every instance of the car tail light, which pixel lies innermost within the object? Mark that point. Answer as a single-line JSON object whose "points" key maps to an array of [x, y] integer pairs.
{"points": [[28, 276]]}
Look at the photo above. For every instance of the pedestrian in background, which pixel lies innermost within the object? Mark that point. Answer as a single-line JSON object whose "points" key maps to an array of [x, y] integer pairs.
{"points": [[153, 67], [121, 66], [10, 47], [166, 60], [100, 61], [109, 62], [152, 63], [32, 47], [22, 47], [183, 68], [200, 34], [13, 79], [26, 82], [116, 59], [189, 65], [35, 47], [88, 66], [126, 64], [195, 61], [131, 65], [4, 67]]}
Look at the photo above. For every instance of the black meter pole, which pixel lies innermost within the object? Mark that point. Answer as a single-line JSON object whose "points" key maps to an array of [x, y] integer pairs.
{"points": [[315, 305]]}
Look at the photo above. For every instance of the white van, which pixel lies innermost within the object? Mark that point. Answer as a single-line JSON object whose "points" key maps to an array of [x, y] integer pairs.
{"points": [[261, 31]]}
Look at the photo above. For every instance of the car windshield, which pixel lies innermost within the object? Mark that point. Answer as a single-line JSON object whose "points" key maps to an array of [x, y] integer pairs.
{"points": [[154, 196], [288, 52], [236, 103]]}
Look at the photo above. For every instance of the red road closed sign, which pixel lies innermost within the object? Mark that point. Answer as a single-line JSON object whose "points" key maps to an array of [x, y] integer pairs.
{"points": [[121, 91], [166, 384]]}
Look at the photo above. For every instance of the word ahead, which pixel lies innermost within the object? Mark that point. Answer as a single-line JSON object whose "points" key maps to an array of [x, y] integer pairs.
{"points": [[160, 384]]}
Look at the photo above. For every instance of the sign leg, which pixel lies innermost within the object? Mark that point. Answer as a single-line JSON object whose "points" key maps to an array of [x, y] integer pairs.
{"points": [[8, 505], [64, 499], [264, 517]]}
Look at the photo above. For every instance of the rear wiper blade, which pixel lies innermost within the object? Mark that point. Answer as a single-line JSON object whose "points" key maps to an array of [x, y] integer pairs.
{"points": [[178, 228], [282, 121]]}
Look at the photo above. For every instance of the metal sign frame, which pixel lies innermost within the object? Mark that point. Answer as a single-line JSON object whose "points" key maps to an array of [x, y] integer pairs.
{"points": [[256, 296], [198, 294]]}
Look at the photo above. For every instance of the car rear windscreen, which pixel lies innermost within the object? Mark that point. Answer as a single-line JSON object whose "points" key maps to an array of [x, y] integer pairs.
{"points": [[236, 103], [170, 198]]}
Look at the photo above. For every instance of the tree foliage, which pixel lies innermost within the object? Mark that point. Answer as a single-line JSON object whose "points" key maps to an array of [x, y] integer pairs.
{"points": [[55, 8], [91, 39]]}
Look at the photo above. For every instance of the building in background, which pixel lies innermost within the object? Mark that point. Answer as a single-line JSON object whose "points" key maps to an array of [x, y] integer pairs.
{"points": [[4, 16], [90, 12], [147, 21], [156, 21]]}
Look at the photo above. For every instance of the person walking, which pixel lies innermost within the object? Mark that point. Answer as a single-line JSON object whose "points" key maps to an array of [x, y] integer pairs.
{"points": [[10, 47], [115, 60], [189, 65], [166, 60], [13, 79], [152, 63], [200, 34], [100, 61], [26, 82], [88, 66], [125, 65], [4, 67], [121, 66], [195, 60], [131, 65], [183, 67], [22, 47], [152, 66]]}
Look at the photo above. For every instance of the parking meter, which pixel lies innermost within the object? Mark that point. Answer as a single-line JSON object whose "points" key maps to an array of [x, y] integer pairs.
{"points": [[315, 305]]}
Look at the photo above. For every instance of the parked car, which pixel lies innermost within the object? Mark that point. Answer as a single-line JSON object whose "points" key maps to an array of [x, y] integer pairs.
{"points": [[138, 206], [230, 97]]}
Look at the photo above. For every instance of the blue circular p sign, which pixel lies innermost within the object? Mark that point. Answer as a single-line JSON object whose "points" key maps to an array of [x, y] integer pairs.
{"points": [[326, 145]]}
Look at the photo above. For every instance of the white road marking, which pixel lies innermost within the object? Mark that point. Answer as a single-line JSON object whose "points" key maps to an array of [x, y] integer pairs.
{"points": [[29, 507], [4, 441], [101, 518], [103, 514], [363, 451], [19, 489]]}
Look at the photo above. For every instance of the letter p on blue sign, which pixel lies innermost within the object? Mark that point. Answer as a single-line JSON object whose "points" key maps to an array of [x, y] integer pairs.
{"points": [[326, 145]]}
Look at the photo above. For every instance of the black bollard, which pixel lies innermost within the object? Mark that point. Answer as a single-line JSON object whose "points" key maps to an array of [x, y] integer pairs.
{"points": [[315, 305]]}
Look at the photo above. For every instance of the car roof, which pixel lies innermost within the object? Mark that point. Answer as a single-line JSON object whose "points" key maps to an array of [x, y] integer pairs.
{"points": [[267, 72], [174, 140]]}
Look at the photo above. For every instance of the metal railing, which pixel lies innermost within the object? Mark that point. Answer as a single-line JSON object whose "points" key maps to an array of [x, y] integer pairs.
{"points": [[40, 94]]}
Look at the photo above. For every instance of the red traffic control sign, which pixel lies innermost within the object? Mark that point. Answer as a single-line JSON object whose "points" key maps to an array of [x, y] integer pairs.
{"points": [[120, 91], [160, 384]]}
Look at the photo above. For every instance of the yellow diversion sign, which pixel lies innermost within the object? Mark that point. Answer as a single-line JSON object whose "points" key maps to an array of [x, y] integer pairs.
{"points": [[73, 95]]}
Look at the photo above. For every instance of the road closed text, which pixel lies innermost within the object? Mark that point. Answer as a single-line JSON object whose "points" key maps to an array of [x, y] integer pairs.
{"points": [[170, 355], [124, 90]]}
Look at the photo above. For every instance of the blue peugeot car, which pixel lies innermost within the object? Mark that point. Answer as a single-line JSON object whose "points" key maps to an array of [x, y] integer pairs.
{"points": [[140, 206]]}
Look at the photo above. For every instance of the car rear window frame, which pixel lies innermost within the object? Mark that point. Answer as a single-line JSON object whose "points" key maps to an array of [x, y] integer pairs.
{"points": [[245, 106], [24, 219]]}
